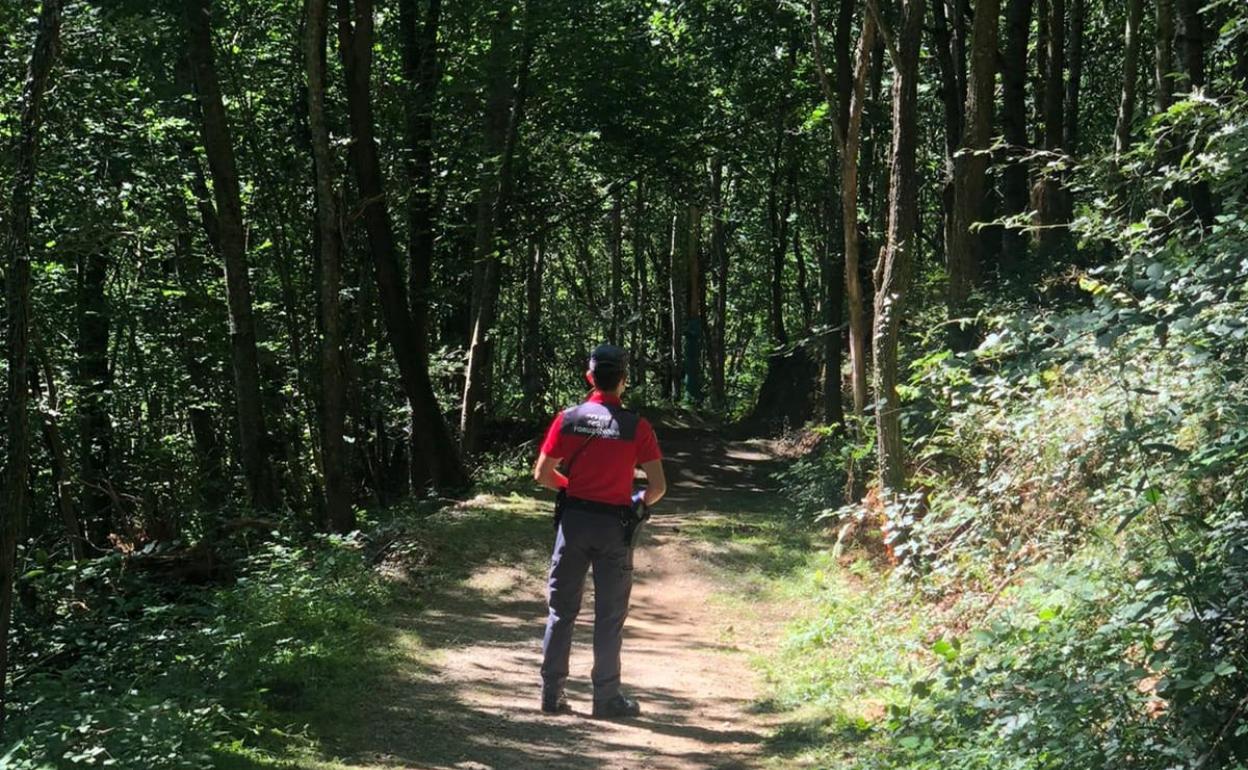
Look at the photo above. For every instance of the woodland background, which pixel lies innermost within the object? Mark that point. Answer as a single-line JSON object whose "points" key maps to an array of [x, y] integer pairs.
{"points": [[274, 266]]}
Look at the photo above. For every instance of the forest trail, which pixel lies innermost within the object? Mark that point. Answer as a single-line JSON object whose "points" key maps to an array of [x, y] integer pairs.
{"points": [[467, 698]]}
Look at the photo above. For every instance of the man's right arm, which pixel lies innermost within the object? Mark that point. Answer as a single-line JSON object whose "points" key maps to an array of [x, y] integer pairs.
{"points": [[656, 481], [546, 472]]}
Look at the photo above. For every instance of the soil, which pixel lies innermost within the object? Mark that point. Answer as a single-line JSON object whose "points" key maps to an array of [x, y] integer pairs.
{"points": [[468, 697]]}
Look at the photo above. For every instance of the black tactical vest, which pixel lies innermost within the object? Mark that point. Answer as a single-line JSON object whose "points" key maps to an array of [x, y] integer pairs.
{"points": [[600, 420]]}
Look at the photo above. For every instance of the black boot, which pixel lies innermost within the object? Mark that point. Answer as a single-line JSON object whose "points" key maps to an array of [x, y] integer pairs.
{"points": [[617, 707], [555, 702]]}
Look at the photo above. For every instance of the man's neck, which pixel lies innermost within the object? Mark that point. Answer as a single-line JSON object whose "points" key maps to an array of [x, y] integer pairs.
{"points": [[605, 397]]}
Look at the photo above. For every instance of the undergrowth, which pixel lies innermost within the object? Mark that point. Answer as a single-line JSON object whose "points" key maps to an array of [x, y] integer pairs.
{"points": [[1077, 531]]}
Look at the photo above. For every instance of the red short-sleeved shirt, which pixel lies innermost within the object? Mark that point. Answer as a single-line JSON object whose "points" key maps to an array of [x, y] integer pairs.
{"points": [[605, 442]]}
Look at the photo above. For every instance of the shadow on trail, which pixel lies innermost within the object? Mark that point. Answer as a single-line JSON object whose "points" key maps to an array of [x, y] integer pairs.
{"points": [[461, 690]]}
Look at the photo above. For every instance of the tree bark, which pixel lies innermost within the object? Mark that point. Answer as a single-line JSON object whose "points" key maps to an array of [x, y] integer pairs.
{"points": [[1051, 208], [616, 247], [504, 112], [1014, 126], [695, 300], [338, 510], [1074, 82], [970, 166], [849, 220], [531, 381], [1163, 57], [1130, 72], [832, 307], [719, 255], [94, 385], [639, 292], [219, 148], [18, 247], [1192, 43], [62, 476], [676, 287], [355, 35], [892, 273]]}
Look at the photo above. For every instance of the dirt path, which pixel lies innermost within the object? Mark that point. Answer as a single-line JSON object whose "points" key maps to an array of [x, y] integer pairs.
{"points": [[467, 699]]}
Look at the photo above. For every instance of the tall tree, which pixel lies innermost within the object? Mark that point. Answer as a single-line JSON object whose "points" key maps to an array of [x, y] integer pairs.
{"points": [[504, 113], [892, 273], [1051, 208], [848, 131], [695, 301], [17, 244], [440, 459], [338, 510], [1074, 83], [1130, 74], [232, 239], [94, 385], [717, 342], [1163, 56], [971, 167], [1014, 198]]}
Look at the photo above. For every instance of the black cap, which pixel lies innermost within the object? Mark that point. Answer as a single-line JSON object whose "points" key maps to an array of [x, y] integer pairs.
{"points": [[608, 359]]}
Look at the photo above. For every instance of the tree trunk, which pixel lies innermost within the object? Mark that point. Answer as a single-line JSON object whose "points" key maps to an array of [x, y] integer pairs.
{"points": [[531, 380], [431, 443], [218, 146], [504, 111], [799, 258], [616, 247], [1130, 72], [62, 475], [1192, 43], [639, 293], [849, 221], [1163, 57], [970, 166], [676, 287], [719, 255], [18, 247], [94, 386], [1051, 208], [1014, 126], [892, 273], [832, 307], [356, 44], [338, 510], [695, 300], [1075, 81]]}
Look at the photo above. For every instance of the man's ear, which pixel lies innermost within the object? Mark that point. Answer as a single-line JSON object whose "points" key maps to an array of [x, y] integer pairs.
{"points": [[589, 377]]}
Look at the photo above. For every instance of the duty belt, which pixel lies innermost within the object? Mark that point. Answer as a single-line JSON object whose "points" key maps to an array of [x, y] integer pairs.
{"points": [[593, 506]]}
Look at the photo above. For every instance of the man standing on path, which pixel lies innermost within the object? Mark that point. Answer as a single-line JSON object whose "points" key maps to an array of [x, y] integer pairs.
{"points": [[600, 443]]}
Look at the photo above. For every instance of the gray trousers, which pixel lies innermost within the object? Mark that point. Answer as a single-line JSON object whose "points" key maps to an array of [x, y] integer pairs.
{"points": [[587, 538]]}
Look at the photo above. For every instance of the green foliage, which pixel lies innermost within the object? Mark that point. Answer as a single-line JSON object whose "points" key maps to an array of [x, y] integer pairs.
{"points": [[119, 670]]}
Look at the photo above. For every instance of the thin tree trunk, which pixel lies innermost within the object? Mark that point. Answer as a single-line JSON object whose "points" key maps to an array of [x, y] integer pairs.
{"points": [[218, 146], [1074, 82], [94, 386], [892, 273], [799, 257], [676, 277], [719, 253], [695, 301], [431, 443], [616, 247], [639, 292], [970, 166], [504, 112], [849, 97], [832, 307], [1163, 57], [1051, 208], [1192, 43], [1130, 72], [355, 33], [1014, 126], [531, 381], [62, 476], [194, 305], [338, 510], [17, 245]]}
